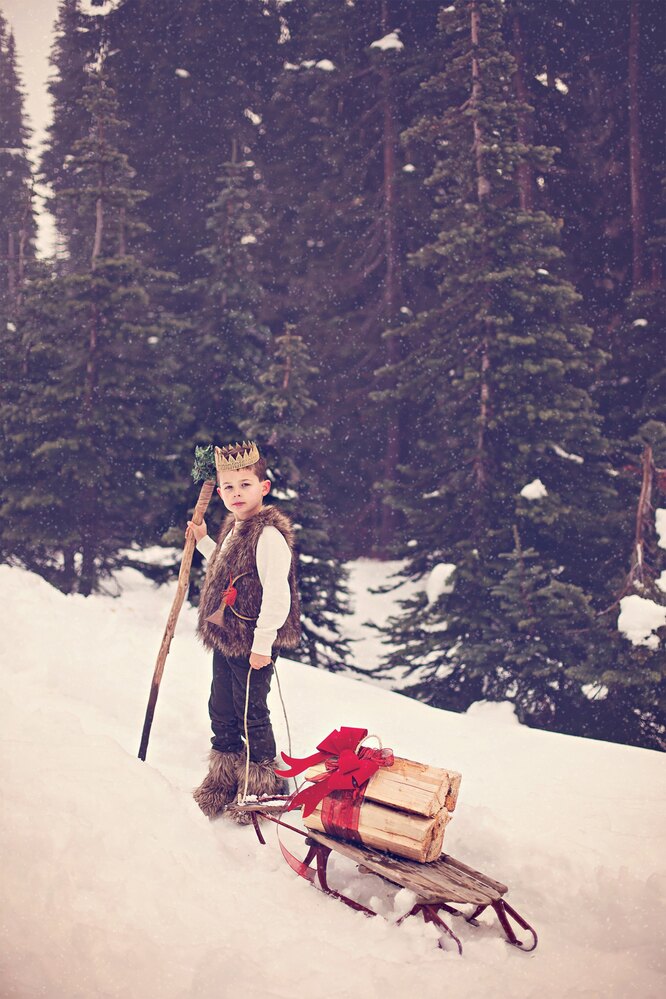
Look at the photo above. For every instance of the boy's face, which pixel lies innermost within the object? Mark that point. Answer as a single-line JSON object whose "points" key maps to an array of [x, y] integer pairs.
{"points": [[242, 492]]}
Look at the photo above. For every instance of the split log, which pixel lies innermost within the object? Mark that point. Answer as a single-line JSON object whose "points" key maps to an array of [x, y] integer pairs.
{"points": [[413, 836], [410, 786]]}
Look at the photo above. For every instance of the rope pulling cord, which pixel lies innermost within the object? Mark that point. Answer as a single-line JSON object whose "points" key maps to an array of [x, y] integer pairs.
{"points": [[243, 797]]}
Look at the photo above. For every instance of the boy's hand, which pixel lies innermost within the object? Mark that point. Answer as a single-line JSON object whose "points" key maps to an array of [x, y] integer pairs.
{"points": [[258, 662], [199, 531]]}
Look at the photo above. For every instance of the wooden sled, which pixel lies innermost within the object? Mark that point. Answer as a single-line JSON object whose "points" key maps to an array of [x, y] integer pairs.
{"points": [[436, 884]]}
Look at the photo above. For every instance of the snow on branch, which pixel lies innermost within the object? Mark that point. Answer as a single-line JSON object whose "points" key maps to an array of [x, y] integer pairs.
{"points": [[388, 42]]}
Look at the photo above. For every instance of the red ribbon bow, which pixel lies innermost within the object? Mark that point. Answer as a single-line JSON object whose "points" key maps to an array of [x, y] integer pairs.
{"points": [[346, 769]]}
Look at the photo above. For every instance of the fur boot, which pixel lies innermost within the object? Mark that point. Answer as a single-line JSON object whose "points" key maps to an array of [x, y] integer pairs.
{"points": [[262, 780], [219, 787]]}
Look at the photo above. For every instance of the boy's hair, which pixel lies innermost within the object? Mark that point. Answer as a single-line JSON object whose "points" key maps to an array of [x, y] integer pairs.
{"points": [[259, 468]]}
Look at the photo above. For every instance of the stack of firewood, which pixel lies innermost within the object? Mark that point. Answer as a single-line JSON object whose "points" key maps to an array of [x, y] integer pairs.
{"points": [[405, 809]]}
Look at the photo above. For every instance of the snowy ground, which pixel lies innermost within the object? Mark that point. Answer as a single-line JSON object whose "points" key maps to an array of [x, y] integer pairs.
{"points": [[370, 610], [113, 884]]}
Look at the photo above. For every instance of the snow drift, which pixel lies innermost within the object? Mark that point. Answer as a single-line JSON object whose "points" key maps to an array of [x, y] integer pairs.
{"points": [[113, 884]]}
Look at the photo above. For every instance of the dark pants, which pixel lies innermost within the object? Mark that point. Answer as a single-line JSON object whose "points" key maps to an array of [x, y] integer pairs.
{"points": [[226, 707]]}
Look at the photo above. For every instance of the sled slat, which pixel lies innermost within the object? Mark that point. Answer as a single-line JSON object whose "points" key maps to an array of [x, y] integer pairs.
{"points": [[442, 880]]}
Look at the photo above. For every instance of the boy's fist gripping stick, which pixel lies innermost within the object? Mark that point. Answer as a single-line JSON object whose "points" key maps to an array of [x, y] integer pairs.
{"points": [[203, 471]]}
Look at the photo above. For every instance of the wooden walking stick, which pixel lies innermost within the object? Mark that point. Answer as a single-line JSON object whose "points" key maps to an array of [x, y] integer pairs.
{"points": [[204, 470]]}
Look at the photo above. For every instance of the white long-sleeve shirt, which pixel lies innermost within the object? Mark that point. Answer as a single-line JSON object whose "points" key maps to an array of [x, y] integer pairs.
{"points": [[273, 565]]}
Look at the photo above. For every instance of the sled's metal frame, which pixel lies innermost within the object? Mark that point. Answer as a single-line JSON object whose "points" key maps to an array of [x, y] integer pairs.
{"points": [[436, 885]]}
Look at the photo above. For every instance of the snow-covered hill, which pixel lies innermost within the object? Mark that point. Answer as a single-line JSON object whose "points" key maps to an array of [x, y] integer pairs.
{"points": [[113, 884]]}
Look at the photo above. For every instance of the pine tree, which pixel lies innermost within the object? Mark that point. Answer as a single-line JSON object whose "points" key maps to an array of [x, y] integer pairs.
{"points": [[345, 209], [17, 225], [284, 420], [611, 689], [97, 404], [17, 264], [500, 372], [537, 609], [595, 76], [191, 79], [634, 388], [228, 341], [78, 41]]}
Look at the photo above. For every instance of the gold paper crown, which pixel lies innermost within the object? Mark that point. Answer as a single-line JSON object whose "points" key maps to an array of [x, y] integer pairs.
{"points": [[236, 456]]}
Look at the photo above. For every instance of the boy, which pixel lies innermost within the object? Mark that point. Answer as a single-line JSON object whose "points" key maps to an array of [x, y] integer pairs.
{"points": [[248, 613]]}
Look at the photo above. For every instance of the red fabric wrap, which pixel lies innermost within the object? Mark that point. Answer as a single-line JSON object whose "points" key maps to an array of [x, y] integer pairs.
{"points": [[296, 865], [346, 771], [340, 811], [230, 594]]}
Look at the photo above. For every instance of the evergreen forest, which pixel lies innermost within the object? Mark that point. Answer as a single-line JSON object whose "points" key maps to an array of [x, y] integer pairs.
{"points": [[416, 250]]}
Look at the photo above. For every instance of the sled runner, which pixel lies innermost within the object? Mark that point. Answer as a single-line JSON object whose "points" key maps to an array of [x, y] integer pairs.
{"points": [[436, 885]]}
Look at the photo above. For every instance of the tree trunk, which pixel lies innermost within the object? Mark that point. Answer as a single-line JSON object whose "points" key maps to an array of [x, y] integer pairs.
{"points": [[288, 361], [482, 190], [524, 589], [91, 378], [88, 568], [68, 570], [392, 287], [636, 180], [90, 381], [99, 206], [524, 171], [88, 504], [480, 471], [122, 227], [11, 268], [482, 183], [20, 276], [99, 231], [640, 575], [23, 245]]}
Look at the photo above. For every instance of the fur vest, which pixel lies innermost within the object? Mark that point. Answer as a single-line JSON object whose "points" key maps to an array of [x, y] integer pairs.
{"points": [[236, 609]]}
